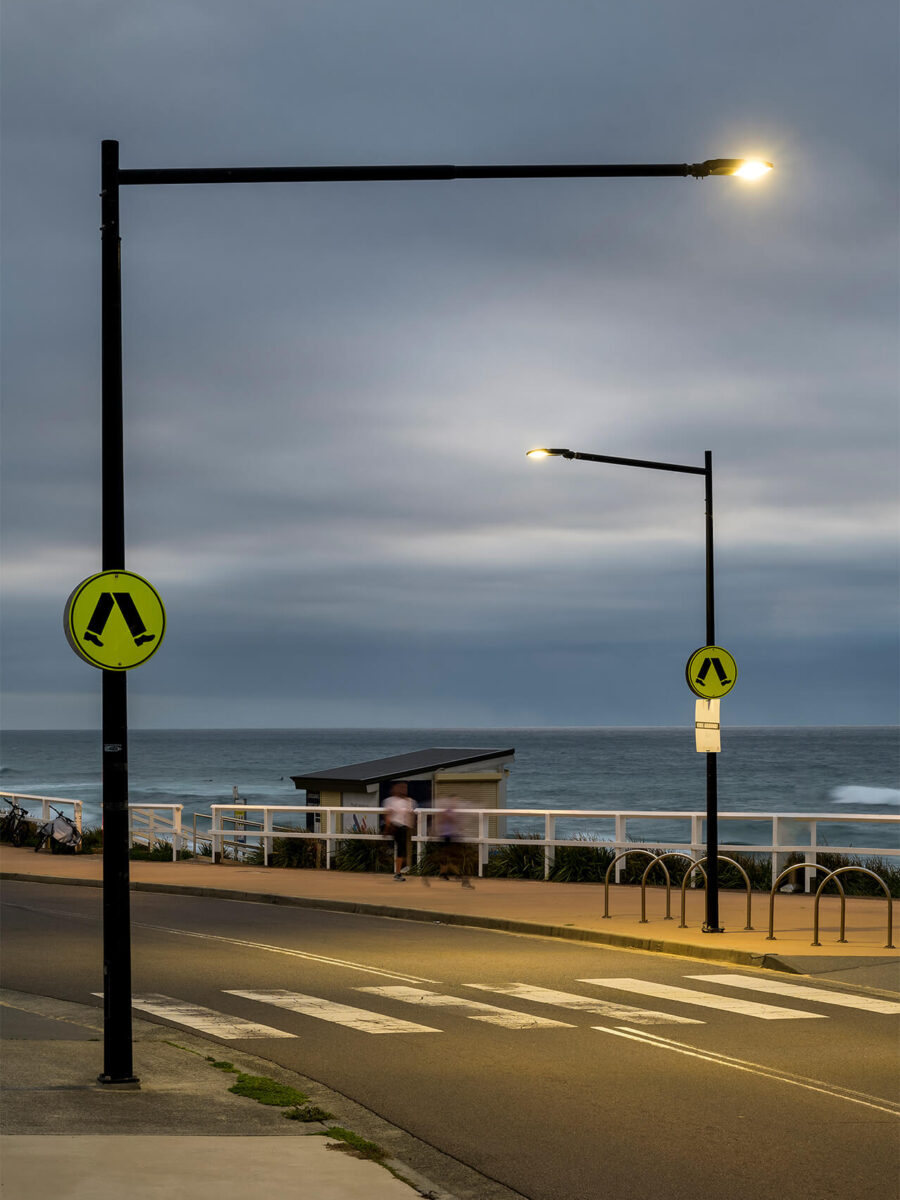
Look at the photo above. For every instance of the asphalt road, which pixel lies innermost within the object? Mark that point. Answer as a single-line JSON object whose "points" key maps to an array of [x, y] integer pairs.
{"points": [[586, 1076]]}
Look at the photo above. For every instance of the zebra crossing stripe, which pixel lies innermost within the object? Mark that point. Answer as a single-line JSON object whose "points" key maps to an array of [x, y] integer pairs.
{"points": [[195, 1016], [802, 992], [473, 1009], [746, 1008], [604, 1008], [329, 1010]]}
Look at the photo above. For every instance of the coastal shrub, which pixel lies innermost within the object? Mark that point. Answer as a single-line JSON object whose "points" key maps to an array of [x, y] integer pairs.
{"points": [[854, 883], [92, 839], [518, 860], [433, 857], [304, 853], [364, 856], [160, 852], [581, 864]]}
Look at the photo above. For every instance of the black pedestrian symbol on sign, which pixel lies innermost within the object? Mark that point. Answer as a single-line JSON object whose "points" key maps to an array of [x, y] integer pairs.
{"points": [[127, 608], [716, 664]]}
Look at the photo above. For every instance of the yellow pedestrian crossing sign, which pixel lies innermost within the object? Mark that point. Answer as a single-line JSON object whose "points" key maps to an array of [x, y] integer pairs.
{"points": [[711, 672], [115, 620]]}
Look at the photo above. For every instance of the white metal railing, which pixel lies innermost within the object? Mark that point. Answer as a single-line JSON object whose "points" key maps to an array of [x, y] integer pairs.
{"points": [[787, 834], [47, 802], [155, 823], [233, 826]]}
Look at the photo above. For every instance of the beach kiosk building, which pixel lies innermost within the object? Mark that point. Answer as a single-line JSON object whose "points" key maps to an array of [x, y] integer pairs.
{"points": [[475, 775]]}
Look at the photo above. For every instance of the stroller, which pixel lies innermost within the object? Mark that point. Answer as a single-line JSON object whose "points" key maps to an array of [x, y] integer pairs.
{"points": [[61, 833]]}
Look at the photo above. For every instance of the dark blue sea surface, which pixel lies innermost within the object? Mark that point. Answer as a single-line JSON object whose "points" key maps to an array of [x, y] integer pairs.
{"points": [[830, 771]]}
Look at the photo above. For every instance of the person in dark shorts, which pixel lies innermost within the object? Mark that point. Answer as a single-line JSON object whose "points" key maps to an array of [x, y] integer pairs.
{"points": [[398, 821]]}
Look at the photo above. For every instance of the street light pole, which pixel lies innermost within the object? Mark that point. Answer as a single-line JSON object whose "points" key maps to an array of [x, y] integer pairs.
{"points": [[116, 918], [117, 1045], [712, 786]]}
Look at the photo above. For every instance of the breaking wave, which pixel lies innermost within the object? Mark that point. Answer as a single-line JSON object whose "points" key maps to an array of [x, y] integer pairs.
{"points": [[852, 794]]}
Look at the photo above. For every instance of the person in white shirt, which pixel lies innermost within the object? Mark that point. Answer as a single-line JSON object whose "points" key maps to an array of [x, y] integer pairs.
{"points": [[398, 821]]}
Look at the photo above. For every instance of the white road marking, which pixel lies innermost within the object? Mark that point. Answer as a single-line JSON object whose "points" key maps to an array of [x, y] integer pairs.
{"points": [[798, 991], [322, 958], [473, 1009], [739, 1064], [206, 1019], [329, 1010], [605, 1008], [745, 1008]]}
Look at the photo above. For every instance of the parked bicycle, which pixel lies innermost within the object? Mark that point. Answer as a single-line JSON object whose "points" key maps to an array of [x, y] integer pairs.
{"points": [[14, 824], [60, 832]]}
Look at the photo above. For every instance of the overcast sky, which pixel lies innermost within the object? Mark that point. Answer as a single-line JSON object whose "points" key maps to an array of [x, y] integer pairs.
{"points": [[330, 388]]}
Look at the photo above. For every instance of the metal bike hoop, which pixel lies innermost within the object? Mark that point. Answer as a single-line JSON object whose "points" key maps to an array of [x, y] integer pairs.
{"points": [[624, 854], [787, 871], [889, 945], [699, 863]]}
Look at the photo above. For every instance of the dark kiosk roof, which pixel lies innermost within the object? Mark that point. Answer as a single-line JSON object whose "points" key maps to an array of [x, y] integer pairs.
{"points": [[398, 766]]}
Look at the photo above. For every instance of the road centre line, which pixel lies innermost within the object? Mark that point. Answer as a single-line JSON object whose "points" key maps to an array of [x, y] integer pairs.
{"points": [[216, 937], [474, 1010], [739, 1064], [195, 1016], [591, 1004], [746, 1008], [802, 992], [329, 1010], [322, 958]]}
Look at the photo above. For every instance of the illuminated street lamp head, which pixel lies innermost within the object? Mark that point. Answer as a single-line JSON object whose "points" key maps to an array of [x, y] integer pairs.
{"points": [[543, 452], [743, 168]]}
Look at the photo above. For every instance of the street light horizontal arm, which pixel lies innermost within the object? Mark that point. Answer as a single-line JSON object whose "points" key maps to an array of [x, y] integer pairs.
{"points": [[555, 452], [712, 166]]}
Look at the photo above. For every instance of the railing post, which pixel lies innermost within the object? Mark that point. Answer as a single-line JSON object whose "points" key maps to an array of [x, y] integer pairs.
{"points": [[621, 836], [267, 838], [812, 857], [215, 838], [550, 838], [421, 835], [482, 847], [176, 831], [329, 831], [697, 843]]}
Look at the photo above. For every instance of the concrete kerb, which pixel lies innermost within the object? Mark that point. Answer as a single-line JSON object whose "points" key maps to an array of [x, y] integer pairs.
{"points": [[623, 941], [181, 1097]]}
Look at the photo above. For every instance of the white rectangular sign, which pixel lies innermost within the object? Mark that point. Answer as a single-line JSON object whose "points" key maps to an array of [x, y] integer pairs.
{"points": [[706, 727]]}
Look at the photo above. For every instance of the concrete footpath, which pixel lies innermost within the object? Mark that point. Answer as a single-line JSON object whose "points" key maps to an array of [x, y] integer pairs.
{"points": [[182, 1130]]}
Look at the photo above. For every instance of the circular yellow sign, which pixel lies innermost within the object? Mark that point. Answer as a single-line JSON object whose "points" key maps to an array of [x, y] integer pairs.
{"points": [[711, 672], [115, 620]]}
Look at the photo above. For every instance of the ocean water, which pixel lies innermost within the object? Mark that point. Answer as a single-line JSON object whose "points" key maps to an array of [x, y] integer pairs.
{"points": [[831, 771]]}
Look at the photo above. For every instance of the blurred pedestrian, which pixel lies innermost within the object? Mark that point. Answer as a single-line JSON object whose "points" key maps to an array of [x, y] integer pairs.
{"points": [[398, 822], [448, 824]]}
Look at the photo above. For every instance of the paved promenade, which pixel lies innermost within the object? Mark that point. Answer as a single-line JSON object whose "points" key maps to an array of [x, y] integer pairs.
{"points": [[182, 1130]]}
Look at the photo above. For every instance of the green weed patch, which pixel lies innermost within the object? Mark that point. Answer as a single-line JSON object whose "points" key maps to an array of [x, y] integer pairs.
{"points": [[352, 1141]]}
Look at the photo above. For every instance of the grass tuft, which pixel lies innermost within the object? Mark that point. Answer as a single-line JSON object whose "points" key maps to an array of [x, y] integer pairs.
{"points": [[267, 1091], [353, 1142], [308, 1113]]}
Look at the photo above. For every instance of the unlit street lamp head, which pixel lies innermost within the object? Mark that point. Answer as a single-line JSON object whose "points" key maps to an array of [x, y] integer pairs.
{"points": [[743, 168]]}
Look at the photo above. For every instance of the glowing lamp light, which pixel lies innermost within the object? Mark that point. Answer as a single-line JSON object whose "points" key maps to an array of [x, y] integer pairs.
{"points": [[753, 169]]}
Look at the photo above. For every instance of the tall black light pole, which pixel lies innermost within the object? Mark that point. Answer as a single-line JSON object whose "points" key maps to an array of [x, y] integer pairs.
{"points": [[117, 1045], [116, 919], [712, 785]]}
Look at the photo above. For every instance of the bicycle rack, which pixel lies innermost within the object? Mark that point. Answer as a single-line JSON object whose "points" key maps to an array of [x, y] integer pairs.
{"points": [[889, 945], [624, 854], [787, 871], [659, 859], [699, 863]]}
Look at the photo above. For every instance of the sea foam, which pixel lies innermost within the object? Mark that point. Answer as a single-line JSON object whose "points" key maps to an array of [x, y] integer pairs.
{"points": [[853, 794]]}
